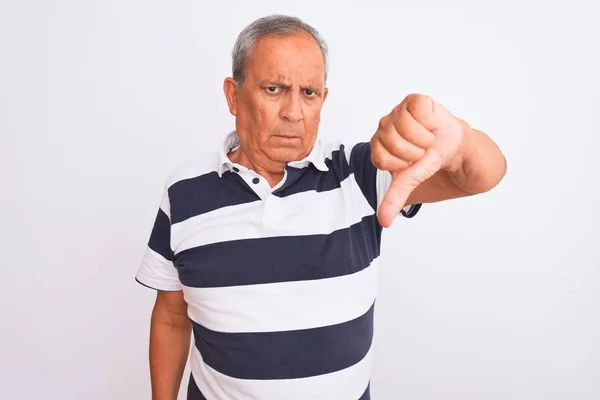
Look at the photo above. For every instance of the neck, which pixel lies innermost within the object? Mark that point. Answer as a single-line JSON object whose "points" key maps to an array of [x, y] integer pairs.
{"points": [[273, 174]]}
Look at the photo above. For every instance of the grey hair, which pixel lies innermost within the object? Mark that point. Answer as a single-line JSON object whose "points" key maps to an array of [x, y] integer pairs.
{"points": [[272, 25]]}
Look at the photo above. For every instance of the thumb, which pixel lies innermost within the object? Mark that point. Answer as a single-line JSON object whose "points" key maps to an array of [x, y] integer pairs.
{"points": [[404, 182]]}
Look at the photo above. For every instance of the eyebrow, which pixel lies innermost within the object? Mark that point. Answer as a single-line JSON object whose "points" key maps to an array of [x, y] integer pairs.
{"points": [[282, 82]]}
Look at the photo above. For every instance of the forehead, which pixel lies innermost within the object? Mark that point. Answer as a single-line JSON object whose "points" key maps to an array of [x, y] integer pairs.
{"points": [[288, 57]]}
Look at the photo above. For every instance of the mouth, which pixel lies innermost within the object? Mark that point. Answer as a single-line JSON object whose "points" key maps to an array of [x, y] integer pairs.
{"points": [[286, 137]]}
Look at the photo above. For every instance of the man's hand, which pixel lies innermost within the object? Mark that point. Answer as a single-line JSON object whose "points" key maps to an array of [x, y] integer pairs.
{"points": [[416, 140]]}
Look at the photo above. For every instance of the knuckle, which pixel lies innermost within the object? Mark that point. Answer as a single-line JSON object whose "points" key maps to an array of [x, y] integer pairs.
{"points": [[383, 123], [419, 104]]}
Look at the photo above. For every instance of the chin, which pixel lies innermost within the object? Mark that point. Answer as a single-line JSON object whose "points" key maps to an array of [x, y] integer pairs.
{"points": [[287, 154]]}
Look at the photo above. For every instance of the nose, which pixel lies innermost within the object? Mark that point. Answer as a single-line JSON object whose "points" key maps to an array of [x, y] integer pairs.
{"points": [[291, 109]]}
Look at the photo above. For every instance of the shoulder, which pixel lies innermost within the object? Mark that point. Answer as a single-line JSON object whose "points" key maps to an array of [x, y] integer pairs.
{"points": [[204, 164]]}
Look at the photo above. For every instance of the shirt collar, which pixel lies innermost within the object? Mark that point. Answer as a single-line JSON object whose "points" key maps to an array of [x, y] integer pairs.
{"points": [[232, 142]]}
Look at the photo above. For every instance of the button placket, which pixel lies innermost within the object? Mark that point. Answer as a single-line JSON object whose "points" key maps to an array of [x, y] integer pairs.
{"points": [[257, 184]]}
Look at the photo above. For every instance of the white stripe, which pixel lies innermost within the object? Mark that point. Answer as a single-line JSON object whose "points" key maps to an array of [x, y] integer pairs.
{"points": [[348, 383], [305, 213], [158, 272], [284, 306], [382, 183], [202, 165]]}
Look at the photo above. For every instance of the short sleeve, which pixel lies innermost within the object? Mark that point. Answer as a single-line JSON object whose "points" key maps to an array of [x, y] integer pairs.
{"points": [[156, 269], [373, 182]]}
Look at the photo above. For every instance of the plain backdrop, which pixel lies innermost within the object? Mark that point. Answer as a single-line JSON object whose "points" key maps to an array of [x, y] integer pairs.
{"points": [[491, 297]]}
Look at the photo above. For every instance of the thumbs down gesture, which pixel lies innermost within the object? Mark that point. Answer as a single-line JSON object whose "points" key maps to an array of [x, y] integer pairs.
{"points": [[416, 140]]}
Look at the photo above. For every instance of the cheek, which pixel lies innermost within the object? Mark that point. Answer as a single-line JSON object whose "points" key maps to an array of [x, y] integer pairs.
{"points": [[268, 115], [263, 112], [312, 117], [253, 118]]}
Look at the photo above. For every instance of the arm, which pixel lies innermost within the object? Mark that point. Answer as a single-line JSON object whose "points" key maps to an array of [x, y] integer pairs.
{"points": [[478, 168], [432, 156], [170, 331]]}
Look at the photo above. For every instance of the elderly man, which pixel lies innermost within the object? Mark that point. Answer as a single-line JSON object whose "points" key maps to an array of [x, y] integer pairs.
{"points": [[267, 249]]}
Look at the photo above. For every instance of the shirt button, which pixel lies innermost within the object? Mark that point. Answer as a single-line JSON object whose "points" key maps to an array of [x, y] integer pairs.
{"points": [[236, 169], [255, 180]]}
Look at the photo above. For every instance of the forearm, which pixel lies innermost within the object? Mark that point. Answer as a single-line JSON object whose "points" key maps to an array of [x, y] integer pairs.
{"points": [[481, 165], [169, 349]]}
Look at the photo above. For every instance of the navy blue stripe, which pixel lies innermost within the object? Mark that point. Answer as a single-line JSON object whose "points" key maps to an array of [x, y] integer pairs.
{"points": [[281, 259], [364, 171], [367, 394], [208, 192], [193, 392], [288, 354], [160, 238], [311, 178]]}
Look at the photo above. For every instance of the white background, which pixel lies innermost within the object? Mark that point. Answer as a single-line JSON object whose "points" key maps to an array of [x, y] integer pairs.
{"points": [[491, 297]]}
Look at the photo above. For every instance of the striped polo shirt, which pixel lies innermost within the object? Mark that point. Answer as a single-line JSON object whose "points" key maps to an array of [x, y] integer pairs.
{"points": [[280, 282]]}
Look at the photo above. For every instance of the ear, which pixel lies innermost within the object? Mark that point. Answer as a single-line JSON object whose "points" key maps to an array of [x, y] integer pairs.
{"points": [[325, 92], [230, 88]]}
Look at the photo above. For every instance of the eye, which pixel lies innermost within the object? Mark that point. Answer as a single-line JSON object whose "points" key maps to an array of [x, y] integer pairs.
{"points": [[272, 89], [310, 92]]}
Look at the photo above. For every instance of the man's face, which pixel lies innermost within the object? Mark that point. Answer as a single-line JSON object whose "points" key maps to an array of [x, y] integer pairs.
{"points": [[278, 109]]}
